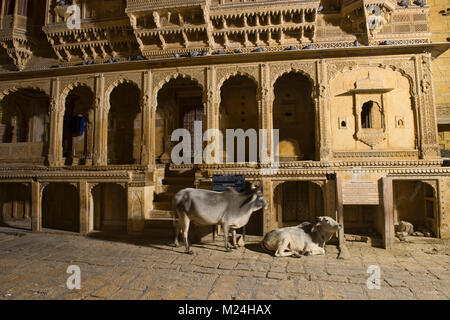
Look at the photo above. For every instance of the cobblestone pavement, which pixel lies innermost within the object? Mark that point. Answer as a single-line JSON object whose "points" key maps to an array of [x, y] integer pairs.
{"points": [[33, 266]]}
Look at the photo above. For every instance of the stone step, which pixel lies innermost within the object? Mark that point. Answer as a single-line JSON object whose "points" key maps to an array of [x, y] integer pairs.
{"points": [[162, 206], [158, 214], [164, 197]]}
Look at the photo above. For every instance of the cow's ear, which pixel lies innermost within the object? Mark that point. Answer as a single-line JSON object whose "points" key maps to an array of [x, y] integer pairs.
{"points": [[315, 227]]}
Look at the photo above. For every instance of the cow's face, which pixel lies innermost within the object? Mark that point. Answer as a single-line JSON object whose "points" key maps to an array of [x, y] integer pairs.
{"points": [[327, 224], [260, 202]]}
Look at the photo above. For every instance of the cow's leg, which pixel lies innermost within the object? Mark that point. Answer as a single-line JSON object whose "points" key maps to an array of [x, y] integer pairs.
{"points": [[235, 246], [226, 231], [317, 250], [185, 228], [283, 250], [314, 249], [177, 232]]}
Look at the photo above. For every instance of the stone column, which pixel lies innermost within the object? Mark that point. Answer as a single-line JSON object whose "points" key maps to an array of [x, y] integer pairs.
{"points": [[56, 126], [211, 103], [265, 101], [139, 200], [323, 125], [36, 206], [269, 218], [340, 210], [429, 144], [388, 198], [101, 123], [85, 208], [148, 120]]}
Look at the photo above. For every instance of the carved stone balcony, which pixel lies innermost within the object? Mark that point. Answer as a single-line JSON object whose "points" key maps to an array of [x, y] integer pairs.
{"points": [[104, 32], [167, 27], [16, 38]]}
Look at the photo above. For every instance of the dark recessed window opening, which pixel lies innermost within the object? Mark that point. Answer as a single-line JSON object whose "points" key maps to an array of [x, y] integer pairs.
{"points": [[371, 115]]}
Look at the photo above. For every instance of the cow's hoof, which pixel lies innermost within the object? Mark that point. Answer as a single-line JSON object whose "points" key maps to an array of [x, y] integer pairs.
{"points": [[190, 252], [175, 245], [228, 250]]}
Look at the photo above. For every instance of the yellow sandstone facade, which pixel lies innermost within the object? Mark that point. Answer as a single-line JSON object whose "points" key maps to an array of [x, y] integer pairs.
{"points": [[87, 113]]}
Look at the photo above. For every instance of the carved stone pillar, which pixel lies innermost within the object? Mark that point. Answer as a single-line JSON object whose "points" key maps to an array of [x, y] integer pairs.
{"points": [[323, 124], [86, 211], [36, 206], [56, 127], [147, 122], [429, 146], [101, 123], [388, 208], [265, 111], [211, 103], [269, 215], [140, 199]]}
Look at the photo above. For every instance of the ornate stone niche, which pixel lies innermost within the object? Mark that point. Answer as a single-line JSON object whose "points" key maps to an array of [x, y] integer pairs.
{"points": [[369, 97]]}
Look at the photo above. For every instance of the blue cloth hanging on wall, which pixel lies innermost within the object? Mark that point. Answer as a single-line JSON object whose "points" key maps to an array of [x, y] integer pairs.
{"points": [[74, 125]]}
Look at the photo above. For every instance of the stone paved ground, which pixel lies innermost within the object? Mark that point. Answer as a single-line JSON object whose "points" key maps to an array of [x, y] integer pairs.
{"points": [[33, 266]]}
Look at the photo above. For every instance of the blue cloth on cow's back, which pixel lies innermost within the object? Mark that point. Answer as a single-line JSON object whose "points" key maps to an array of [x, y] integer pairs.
{"points": [[74, 125]]}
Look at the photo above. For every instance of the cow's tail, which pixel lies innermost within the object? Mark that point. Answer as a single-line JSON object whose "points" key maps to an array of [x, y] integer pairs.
{"points": [[181, 202]]}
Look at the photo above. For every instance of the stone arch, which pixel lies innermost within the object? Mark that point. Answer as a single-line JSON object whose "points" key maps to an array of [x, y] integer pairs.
{"points": [[293, 110], [174, 76], [397, 101], [66, 91], [8, 90], [33, 110], [403, 71], [113, 86], [284, 71], [179, 102], [239, 108], [78, 146], [124, 124], [239, 73]]}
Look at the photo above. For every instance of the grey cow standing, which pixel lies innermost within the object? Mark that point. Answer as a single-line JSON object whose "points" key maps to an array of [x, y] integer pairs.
{"points": [[229, 208], [305, 238]]}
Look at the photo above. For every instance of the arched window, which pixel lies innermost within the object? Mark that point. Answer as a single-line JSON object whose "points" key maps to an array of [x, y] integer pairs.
{"points": [[371, 116]]}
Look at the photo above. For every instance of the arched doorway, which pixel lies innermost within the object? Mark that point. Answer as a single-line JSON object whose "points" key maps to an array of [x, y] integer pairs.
{"points": [[61, 207], [293, 115], [239, 110], [298, 201], [180, 104], [124, 125], [110, 207], [24, 120], [78, 137], [15, 205]]}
